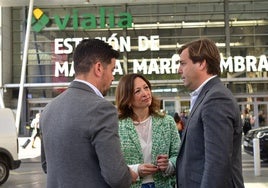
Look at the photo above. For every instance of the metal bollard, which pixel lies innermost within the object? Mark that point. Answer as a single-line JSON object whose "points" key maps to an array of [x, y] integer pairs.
{"points": [[257, 161]]}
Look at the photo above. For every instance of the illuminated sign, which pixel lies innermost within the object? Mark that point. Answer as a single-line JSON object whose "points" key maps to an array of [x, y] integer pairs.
{"points": [[166, 65], [39, 20], [106, 19], [244, 64]]}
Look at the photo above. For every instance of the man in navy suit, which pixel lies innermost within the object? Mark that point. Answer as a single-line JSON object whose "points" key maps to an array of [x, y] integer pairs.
{"points": [[210, 152]]}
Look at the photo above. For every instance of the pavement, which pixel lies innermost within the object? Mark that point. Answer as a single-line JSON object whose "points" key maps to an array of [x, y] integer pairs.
{"points": [[251, 180], [29, 153]]}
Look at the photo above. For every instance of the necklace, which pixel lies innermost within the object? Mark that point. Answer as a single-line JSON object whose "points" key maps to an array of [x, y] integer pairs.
{"points": [[136, 123]]}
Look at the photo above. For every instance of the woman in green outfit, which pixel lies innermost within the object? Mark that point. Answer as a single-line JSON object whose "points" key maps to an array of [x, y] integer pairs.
{"points": [[149, 138]]}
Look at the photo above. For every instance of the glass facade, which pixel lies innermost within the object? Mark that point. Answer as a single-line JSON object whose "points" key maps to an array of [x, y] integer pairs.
{"points": [[148, 36]]}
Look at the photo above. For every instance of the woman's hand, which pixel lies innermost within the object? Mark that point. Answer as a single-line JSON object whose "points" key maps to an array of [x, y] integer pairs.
{"points": [[162, 162], [147, 169]]}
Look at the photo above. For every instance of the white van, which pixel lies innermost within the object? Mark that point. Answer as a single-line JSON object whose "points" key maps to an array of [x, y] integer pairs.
{"points": [[8, 144]]}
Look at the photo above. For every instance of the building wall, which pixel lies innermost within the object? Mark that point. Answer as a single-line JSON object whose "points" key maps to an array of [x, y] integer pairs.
{"points": [[173, 23], [6, 61], [6, 45]]}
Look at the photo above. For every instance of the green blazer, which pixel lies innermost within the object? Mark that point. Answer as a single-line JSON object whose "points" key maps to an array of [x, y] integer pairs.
{"points": [[165, 140]]}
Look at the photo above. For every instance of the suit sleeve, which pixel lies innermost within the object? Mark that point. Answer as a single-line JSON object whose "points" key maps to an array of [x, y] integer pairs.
{"points": [[218, 118], [107, 145], [43, 157]]}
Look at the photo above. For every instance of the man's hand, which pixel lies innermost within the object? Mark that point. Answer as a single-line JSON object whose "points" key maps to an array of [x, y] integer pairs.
{"points": [[134, 175], [147, 169]]}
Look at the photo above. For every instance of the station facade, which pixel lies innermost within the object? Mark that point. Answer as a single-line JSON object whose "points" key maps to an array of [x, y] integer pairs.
{"points": [[147, 36]]}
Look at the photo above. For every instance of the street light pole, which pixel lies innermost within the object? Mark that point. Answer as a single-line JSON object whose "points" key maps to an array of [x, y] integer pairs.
{"points": [[24, 62]]}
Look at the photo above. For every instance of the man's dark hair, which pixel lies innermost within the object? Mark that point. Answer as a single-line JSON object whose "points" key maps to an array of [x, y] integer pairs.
{"points": [[90, 51]]}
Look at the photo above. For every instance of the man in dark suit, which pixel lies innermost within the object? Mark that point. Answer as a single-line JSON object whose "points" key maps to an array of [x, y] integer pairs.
{"points": [[210, 152], [80, 141]]}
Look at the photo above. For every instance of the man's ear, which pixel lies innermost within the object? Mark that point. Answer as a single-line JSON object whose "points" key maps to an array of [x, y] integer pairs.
{"points": [[98, 69], [203, 65]]}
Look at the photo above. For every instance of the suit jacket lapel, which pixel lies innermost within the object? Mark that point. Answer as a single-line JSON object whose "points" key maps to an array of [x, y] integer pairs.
{"points": [[199, 99], [203, 93]]}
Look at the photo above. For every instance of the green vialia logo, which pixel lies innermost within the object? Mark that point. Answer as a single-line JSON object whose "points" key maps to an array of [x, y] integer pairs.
{"points": [[106, 19]]}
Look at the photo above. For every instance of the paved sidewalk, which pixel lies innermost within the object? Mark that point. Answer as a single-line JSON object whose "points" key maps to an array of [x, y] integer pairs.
{"points": [[30, 154], [250, 179]]}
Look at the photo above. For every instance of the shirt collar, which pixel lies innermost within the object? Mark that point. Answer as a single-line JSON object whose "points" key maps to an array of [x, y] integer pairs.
{"points": [[91, 86], [198, 90]]}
